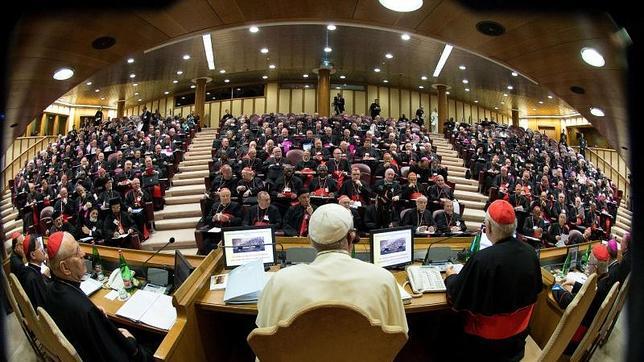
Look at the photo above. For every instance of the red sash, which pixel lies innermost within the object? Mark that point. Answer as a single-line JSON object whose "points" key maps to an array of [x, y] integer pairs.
{"points": [[304, 226], [498, 326]]}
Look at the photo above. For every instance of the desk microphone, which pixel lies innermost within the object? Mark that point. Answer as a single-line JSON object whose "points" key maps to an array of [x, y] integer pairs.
{"points": [[153, 255]]}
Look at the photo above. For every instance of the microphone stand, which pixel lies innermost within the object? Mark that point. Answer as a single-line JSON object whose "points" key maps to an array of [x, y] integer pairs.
{"points": [[155, 254]]}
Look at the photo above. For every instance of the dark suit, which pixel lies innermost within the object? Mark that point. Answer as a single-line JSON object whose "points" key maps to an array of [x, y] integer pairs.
{"points": [[415, 218], [445, 222], [257, 216]]}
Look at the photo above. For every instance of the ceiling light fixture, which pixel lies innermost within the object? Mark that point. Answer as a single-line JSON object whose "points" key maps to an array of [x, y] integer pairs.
{"points": [[476, 101], [377, 70], [305, 75], [272, 66], [193, 86], [186, 57], [140, 99], [179, 72], [496, 107], [207, 47], [447, 92], [385, 81], [330, 27], [540, 102], [132, 75], [222, 71], [102, 98], [467, 89], [402, 6], [343, 76], [306, 86], [135, 84], [592, 57], [505, 94], [515, 74], [253, 29], [63, 74], [264, 50], [130, 60], [443, 59], [136, 93], [598, 112], [175, 81], [424, 77], [421, 87], [510, 87], [405, 36], [97, 90], [328, 49], [226, 80], [389, 55], [88, 83], [462, 67], [465, 81], [264, 77], [550, 97], [166, 92]]}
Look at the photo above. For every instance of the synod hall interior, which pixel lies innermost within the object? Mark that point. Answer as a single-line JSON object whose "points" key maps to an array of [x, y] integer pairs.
{"points": [[179, 180]]}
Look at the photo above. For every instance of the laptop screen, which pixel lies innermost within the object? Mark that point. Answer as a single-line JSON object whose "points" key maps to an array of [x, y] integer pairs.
{"points": [[392, 247]]}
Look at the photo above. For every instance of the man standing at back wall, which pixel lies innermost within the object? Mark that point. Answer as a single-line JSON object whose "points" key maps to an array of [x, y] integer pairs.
{"points": [[333, 277]]}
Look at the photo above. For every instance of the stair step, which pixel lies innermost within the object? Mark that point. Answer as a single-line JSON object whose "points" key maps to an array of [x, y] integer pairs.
{"points": [[12, 224], [624, 220], [462, 180], [447, 163], [9, 217], [466, 187], [451, 168], [198, 189], [178, 211], [469, 195], [7, 234], [624, 212], [472, 215], [469, 204], [616, 230], [190, 154], [194, 162], [188, 199], [202, 158], [190, 168], [191, 174], [5, 202], [622, 225], [200, 146], [182, 223], [188, 181], [457, 173], [452, 159], [443, 152], [6, 196], [183, 239]]}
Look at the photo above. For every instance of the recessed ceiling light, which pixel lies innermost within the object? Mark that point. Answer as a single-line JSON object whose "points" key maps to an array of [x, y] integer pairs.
{"points": [[193, 86], [135, 84], [140, 99], [186, 57], [402, 6], [226, 80], [502, 102], [550, 97], [166, 92], [130, 60], [306, 86], [179, 72], [102, 98], [447, 50], [327, 50], [132, 75], [97, 90], [343, 76], [264, 77], [505, 94], [467, 89], [253, 29], [465, 81], [385, 81], [496, 107], [63, 74], [534, 109], [389, 55], [136, 93], [338, 87], [377, 70], [263, 50], [510, 87], [515, 74], [305, 75], [88, 83], [175, 81], [592, 57], [183, 97], [540, 102], [598, 112], [207, 93], [207, 48], [447, 92], [421, 87], [462, 67], [476, 101], [424, 77], [331, 27], [272, 66], [405, 36]]}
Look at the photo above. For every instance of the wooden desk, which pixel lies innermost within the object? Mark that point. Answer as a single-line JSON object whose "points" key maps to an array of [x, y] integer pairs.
{"points": [[111, 306]]}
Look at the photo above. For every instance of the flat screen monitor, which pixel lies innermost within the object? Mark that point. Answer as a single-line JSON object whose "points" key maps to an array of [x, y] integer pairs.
{"points": [[248, 243], [573, 251], [182, 269], [392, 247]]}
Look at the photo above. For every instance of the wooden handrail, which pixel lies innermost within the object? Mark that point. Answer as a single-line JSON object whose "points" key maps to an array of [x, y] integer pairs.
{"points": [[20, 159], [606, 166]]}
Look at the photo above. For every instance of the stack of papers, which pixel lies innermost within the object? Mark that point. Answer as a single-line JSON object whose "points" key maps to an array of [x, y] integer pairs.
{"points": [[151, 308], [89, 286], [245, 283]]}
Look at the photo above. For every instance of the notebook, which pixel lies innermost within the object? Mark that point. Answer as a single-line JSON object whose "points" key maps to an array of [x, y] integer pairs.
{"points": [[153, 309], [89, 286], [245, 283]]}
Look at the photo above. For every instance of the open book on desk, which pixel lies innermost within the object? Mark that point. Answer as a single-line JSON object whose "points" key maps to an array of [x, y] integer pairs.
{"points": [[245, 283], [153, 309]]}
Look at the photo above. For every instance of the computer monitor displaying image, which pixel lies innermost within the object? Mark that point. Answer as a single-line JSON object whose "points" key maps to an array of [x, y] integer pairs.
{"points": [[248, 243], [392, 247], [573, 251], [182, 269]]}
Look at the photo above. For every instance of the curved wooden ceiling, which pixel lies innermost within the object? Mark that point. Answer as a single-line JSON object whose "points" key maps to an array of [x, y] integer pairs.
{"points": [[544, 47]]}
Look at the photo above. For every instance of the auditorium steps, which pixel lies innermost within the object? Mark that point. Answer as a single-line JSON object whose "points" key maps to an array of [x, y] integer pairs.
{"points": [[182, 211], [466, 190], [9, 215], [623, 222]]}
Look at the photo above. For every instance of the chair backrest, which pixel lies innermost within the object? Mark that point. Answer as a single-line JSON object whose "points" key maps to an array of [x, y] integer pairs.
{"points": [[615, 309], [16, 308], [327, 332], [55, 342], [26, 309], [47, 212], [593, 331], [436, 213], [404, 171], [365, 172], [294, 156], [570, 321], [402, 213]]}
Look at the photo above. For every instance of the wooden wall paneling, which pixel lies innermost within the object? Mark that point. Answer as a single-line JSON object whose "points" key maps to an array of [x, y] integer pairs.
{"points": [[394, 102], [451, 109], [215, 109], [360, 102], [383, 95], [236, 107], [310, 99], [192, 108], [467, 112], [297, 101], [349, 101], [433, 104], [405, 99], [459, 111], [414, 98], [372, 93], [424, 101], [260, 106], [272, 97], [247, 106], [284, 101], [162, 106], [149, 105]]}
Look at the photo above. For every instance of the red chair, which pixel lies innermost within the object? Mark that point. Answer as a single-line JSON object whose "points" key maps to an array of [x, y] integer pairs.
{"points": [[365, 172], [294, 156]]}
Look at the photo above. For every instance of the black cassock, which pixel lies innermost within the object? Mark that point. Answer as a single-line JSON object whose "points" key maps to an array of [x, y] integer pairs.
{"points": [[86, 327], [34, 284], [497, 289]]}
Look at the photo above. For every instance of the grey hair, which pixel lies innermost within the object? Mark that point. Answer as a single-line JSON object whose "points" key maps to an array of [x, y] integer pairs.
{"points": [[503, 231]]}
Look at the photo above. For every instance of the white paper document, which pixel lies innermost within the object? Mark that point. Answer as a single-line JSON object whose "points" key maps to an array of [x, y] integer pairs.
{"points": [[89, 286], [215, 230], [245, 283], [151, 308]]}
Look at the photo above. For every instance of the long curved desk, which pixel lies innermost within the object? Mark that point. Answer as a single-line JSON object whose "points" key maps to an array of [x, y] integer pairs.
{"points": [[208, 329]]}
